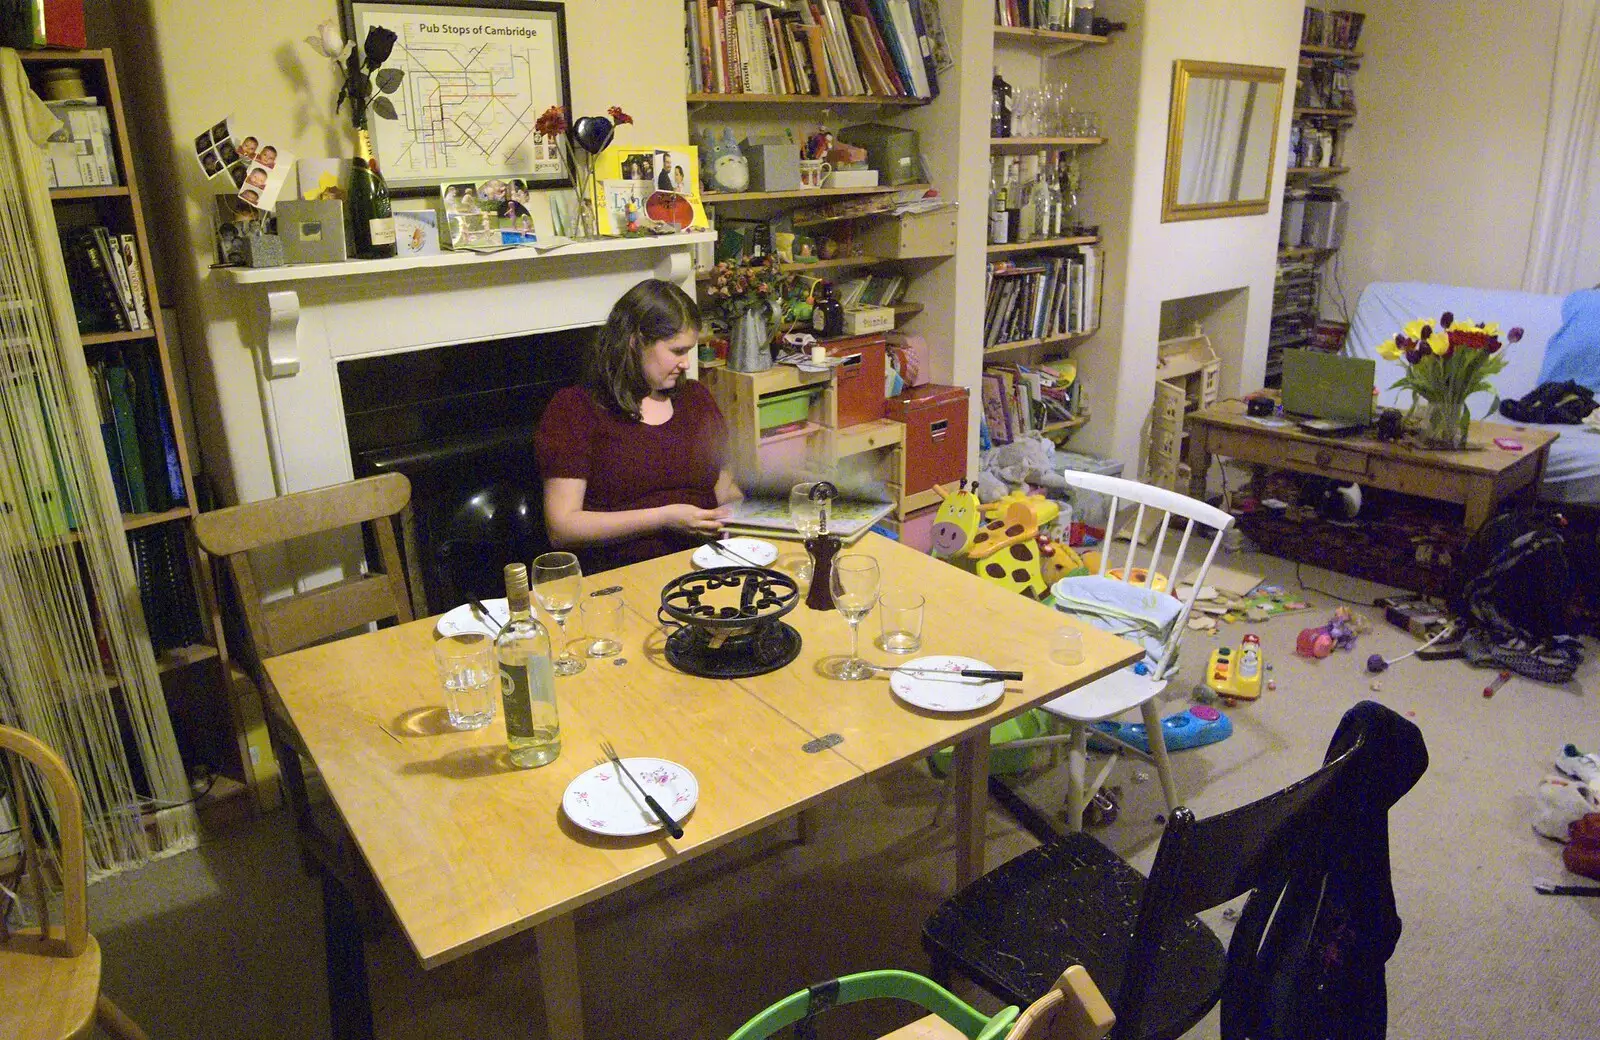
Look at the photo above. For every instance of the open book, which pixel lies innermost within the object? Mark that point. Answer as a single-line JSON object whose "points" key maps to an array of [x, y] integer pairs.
{"points": [[846, 517]]}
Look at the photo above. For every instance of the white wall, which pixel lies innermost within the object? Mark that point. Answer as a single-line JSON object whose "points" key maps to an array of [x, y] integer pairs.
{"points": [[186, 65], [1189, 258], [1453, 99]]}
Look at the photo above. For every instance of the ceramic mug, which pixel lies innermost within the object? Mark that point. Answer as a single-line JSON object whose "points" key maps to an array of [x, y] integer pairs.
{"points": [[813, 172]]}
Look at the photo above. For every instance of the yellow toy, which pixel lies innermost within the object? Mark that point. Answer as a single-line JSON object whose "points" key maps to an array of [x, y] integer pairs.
{"points": [[1140, 577], [1042, 508], [1237, 676], [1006, 552], [956, 521], [1057, 560]]}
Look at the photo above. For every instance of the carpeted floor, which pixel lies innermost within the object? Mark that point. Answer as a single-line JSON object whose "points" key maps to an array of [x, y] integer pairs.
{"points": [[226, 941]]}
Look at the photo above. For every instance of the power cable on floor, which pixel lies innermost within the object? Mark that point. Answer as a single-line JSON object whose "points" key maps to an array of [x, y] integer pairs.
{"points": [[1323, 592]]}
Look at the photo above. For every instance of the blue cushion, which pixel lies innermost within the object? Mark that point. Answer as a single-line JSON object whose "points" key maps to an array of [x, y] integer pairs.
{"points": [[1574, 351]]}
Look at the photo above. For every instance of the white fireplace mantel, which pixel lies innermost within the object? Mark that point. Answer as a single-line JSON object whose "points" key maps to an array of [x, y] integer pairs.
{"points": [[310, 317]]}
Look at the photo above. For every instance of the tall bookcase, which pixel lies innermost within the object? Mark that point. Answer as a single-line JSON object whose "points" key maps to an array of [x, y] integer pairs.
{"points": [[1027, 57], [213, 724]]}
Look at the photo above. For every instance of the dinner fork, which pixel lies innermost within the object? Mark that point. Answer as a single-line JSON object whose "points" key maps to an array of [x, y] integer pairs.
{"points": [[722, 550], [661, 814]]}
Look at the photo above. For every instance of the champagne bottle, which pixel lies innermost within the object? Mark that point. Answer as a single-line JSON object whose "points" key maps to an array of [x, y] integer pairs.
{"points": [[368, 217], [527, 678]]}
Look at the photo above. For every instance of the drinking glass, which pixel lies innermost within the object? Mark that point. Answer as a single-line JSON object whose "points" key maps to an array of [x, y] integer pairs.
{"points": [[602, 621], [467, 671], [558, 582], [805, 513], [900, 615], [855, 592]]}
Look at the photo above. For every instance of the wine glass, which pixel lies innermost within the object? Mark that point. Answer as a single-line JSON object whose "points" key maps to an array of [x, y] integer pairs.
{"points": [[855, 593], [806, 514], [558, 582]]}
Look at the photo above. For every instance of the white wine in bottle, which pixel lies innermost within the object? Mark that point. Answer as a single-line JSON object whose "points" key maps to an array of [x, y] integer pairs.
{"points": [[527, 680], [370, 218]]}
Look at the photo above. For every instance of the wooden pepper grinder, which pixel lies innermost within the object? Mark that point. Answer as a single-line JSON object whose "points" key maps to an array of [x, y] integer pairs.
{"points": [[823, 548]]}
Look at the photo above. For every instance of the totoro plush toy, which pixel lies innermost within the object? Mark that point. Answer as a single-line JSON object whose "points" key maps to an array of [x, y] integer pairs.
{"points": [[723, 166]]}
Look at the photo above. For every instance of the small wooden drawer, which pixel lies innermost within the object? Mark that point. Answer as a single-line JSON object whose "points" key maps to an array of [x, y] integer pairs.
{"points": [[869, 436], [1325, 458]]}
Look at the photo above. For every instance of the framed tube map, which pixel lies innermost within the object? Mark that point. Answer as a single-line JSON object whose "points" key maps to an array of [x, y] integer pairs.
{"points": [[477, 75]]}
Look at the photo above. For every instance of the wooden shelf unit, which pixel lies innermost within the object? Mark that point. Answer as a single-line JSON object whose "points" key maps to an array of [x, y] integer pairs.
{"points": [[1044, 243], [1056, 43], [119, 207], [1029, 144], [826, 100], [806, 193]]}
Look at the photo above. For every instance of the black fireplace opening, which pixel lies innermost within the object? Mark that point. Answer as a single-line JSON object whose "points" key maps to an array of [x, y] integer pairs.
{"points": [[458, 421]]}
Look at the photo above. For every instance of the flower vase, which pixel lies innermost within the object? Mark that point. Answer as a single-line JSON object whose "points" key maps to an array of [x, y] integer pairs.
{"points": [[1444, 424], [587, 223], [750, 341]]}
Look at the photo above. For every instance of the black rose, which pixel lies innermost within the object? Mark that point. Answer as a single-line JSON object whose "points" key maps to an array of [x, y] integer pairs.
{"points": [[378, 47]]}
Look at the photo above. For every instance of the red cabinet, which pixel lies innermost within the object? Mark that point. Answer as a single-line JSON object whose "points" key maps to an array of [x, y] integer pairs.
{"points": [[935, 450], [858, 380]]}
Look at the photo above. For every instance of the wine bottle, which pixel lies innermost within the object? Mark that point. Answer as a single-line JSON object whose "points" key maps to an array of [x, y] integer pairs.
{"points": [[999, 106], [368, 217], [527, 678]]}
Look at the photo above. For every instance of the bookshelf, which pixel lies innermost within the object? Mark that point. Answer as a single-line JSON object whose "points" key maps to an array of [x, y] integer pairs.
{"points": [[1324, 112], [1069, 266], [121, 330]]}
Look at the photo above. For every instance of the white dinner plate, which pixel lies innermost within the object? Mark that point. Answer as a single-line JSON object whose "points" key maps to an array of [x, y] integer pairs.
{"points": [[936, 693], [462, 620], [757, 552], [602, 800]]}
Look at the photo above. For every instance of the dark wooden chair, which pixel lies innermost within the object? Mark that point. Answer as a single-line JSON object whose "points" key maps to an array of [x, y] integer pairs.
{"points": [[1073, 901], [49, 974], [385, 593]]}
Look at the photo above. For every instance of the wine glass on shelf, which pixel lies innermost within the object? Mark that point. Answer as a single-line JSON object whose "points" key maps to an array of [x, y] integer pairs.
{"points": [[855, 593], [806, 512], [557, 583]]}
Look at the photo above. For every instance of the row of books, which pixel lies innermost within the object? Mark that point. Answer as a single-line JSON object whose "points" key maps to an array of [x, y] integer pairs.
{"points": [[878, 290], [817, 47], [1019, 400], [1053, 294], [1057, 15], [1327, 85], [137, 430], [161, 568], [107, 281], [1319, 28]]}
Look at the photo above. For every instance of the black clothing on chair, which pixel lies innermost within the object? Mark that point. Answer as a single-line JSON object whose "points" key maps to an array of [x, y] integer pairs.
{"points": [[1565, 403]]}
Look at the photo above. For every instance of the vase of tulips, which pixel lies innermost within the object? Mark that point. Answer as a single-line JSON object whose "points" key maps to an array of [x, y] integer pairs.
{"points": [[1447, 361]]}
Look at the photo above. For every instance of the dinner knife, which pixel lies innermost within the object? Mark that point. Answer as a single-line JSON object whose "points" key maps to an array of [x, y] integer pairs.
{"points": [[965, 673]]}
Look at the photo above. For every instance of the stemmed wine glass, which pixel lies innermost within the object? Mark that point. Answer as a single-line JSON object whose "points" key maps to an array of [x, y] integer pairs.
{"points": [[806, 514], [558, 582], [855, 592]]}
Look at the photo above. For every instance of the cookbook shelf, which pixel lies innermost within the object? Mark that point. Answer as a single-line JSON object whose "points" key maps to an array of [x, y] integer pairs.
{"points": [[825, 100], [712, 198]]}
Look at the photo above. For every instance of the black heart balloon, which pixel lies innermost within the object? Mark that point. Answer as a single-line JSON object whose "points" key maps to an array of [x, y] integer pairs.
{"points": [[592, 133]]}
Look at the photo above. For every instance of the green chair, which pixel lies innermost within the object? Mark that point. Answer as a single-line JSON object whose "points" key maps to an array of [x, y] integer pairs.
{"points": [[1072, 1010]]}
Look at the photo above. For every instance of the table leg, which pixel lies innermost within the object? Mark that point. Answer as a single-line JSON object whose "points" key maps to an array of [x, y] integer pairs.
{"points": [[1480, 504], [971, 787], [557, 946]]}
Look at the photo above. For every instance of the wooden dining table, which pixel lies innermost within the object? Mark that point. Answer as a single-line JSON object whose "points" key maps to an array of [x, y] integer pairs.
{"points": [[469, 849]]}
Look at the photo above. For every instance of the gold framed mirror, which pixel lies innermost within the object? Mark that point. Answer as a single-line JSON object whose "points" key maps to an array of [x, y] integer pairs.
{"points": [[1222, 139]]}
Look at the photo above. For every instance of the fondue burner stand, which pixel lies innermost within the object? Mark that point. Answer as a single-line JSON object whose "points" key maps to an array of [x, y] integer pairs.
{"points": [[730, 641]]}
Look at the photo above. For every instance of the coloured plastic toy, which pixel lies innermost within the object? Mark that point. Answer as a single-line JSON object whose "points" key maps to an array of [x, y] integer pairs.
{"points": [[1237, 676], [1140, 577], [1044, 510], [956, 521], [1197, 727]]}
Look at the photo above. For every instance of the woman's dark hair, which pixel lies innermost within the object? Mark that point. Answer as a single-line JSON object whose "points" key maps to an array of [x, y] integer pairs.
{"points": [[650, 312]]}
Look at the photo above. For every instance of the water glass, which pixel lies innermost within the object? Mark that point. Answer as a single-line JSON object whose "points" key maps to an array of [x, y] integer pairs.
{"points": [[1066, 645], [468, 672], [602, 621], [900, 614]]}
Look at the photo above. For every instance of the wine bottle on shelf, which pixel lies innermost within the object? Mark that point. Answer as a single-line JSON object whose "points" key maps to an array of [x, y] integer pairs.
{"points": [[527, 678], [1000, 107], [369, 218]]}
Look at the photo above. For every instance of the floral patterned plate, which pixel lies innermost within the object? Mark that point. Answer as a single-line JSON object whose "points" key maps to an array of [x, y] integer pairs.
{"points": [[603, 801], [464, 619], [936, 693]]}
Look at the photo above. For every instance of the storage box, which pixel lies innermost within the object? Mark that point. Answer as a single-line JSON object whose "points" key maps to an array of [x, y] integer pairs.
{"points": [[45, 23], [774, 164], [852, 179], [891, 150], [79, 154], [791, 406], [916, 530], [858, 381], [312, 232], [935, 450], [912, 235], [784, 453], [859, 321]]}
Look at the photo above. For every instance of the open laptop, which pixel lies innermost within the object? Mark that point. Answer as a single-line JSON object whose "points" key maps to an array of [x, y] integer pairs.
{"points": [[1327, 393]]}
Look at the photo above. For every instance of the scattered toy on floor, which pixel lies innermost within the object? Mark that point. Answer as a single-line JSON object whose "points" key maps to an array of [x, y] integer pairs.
{"points": [[1562, 801], [1499, 681], [1377, 663], [1197, 727], [1576, 764], [1338, 634], [1237, 676]]}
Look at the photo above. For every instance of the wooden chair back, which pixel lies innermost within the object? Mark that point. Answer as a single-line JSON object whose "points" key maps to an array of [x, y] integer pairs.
{"points": [[276, 627], [71, 938], [1166, 510]]}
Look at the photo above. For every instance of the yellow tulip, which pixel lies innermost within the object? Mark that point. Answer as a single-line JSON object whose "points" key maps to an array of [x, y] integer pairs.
{"points": [[1439, 343], [1388, 350]]}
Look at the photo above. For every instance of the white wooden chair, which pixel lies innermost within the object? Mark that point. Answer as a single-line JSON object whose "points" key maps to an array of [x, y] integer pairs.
{"points": [[1160, 513]]}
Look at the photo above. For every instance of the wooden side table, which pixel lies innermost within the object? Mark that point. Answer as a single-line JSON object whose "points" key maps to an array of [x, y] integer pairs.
{"points": [[1480, 477]]}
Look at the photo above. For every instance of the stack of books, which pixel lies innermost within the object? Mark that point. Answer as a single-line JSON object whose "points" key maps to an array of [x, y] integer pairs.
{"points": [[107, 282], [1019, 400], [161, 567], [1053, 294], [820, 47]]}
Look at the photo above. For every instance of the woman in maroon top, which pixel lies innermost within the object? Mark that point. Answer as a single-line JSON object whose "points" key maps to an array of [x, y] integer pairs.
{"points": [[633, 459]]}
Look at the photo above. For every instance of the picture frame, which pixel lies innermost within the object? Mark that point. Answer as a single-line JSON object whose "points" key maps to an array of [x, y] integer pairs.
{"points": [[418, 151]]}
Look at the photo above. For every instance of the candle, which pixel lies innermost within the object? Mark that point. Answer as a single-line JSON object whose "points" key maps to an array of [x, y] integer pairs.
{"points": [[819, 354]]}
